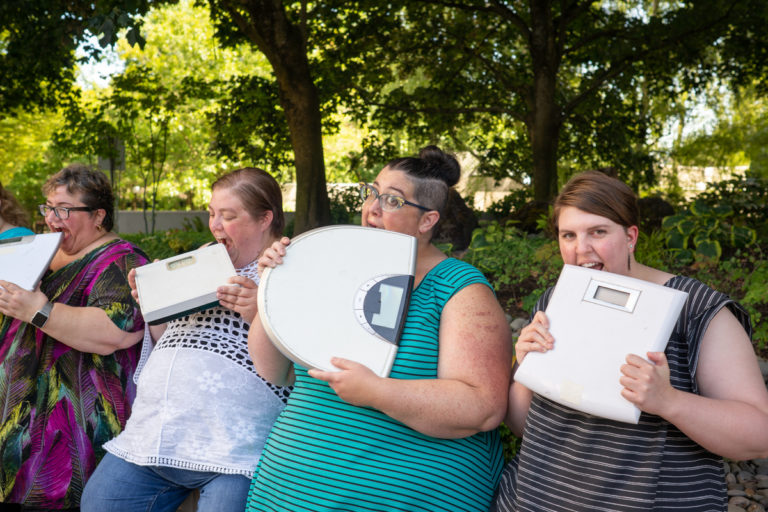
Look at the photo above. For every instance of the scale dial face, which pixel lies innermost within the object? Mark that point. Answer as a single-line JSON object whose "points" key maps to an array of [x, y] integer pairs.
{"points": [[381, 303]]}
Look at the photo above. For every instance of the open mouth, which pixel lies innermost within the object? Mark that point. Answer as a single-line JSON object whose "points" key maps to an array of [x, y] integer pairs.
{"points": [[593, 265], [54, 229]]}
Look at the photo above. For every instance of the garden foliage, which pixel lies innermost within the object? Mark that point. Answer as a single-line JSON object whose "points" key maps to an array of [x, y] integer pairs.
{"points": [[713, 239]]}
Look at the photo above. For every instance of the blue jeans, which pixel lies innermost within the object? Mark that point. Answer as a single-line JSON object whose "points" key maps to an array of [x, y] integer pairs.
{"points": [[121, 486]]}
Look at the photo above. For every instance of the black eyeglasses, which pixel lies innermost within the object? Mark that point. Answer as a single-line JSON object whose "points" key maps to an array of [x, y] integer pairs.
{"points": [[388, 202], [62, 212]]}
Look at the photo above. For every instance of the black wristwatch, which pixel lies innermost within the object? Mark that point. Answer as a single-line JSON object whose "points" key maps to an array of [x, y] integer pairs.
{"points": [[41, 317]]}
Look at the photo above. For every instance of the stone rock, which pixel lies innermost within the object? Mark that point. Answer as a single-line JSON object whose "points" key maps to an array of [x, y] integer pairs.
{"points": [[744, 476], [517, 324]]}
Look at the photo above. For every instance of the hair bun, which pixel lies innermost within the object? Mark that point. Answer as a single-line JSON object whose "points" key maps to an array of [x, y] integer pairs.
{"points": [[441, 165]]}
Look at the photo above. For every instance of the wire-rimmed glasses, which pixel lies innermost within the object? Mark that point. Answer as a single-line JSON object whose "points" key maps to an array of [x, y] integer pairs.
{"points": [[388, 202]]}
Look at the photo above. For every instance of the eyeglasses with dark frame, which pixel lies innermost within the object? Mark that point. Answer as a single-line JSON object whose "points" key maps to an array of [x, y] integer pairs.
{"points": [[388, 202], [62, 212]]}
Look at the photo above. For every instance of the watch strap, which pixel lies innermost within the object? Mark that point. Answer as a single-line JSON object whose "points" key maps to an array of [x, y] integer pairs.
{"points": [[41, 317]]}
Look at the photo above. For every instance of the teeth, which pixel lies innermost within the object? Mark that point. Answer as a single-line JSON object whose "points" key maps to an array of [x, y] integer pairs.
{"points": [[591, 264]]}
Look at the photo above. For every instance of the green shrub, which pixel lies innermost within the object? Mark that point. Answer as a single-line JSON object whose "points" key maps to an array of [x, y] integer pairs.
{"points": [[519, 265], [702, 232], [745, 279], [747, 196], [510, 443], [507, 205], [169, 243], [345, 205]]}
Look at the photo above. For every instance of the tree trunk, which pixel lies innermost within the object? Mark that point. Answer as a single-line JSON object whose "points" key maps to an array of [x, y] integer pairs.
{"points": [[544, 132], [267, 26], [545, 118], [299, 99]]}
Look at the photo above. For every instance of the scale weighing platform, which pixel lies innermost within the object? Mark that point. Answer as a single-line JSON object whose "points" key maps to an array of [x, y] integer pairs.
{"points": [[24, 259], [342, 291], [183, 284], [597, 318]]}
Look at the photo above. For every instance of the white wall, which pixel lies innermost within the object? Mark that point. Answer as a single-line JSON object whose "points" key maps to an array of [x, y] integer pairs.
{"points": [[129, 221]]}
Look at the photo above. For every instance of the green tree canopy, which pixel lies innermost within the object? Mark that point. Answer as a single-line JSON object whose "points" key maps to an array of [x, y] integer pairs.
{"points": [[548, 83], [38, 41]]}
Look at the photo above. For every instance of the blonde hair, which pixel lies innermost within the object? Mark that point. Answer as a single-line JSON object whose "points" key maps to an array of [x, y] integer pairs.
{"points": [[259, 193]]}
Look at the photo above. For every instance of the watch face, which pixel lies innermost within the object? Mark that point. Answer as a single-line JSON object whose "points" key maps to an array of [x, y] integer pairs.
{"points": [[41, 317]]}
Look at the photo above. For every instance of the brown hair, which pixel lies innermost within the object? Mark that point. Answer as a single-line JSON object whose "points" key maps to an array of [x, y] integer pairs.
{"points": [[598, 194], [433, 173], [92, 186], [10, 209], [259, 193]]}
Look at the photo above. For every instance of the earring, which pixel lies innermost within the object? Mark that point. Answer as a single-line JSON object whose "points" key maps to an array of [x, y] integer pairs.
{"points": [[100, 227]]}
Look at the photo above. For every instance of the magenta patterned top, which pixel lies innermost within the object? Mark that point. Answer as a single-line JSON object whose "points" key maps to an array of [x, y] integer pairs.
{"points": [[58, 405]]}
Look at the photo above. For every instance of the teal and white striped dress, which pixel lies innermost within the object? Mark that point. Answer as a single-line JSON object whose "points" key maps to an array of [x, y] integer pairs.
{"points": [[325, 454]]}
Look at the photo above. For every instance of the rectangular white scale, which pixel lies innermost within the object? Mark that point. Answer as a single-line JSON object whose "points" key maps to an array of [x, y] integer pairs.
{"points": [[597, 318], [183, 284], [24, 259], [342, 291]]}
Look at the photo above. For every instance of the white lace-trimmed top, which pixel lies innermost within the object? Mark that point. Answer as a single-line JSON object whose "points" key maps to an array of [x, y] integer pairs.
{"points": [[200, 405]]}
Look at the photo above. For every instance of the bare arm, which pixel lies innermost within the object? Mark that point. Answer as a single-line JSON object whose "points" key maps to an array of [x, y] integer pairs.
{"points": [[269, 362], [87, 329], [730, 417], [470, 393], [533, 337], [517, 409]]}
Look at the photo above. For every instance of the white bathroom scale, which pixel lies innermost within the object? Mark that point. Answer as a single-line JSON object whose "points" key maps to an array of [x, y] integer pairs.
{"points": [[597, 318], [342, 291], [24, 259], [183, 284]]}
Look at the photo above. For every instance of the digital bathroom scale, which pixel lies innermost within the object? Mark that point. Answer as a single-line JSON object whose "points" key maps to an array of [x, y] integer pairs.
{"points": [[342, 291], [183, 284], [597, 318], [24, 259]]}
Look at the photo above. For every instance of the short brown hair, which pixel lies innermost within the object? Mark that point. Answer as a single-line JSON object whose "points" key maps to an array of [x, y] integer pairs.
{"points": [[10, 209], [259, 193], [599, 194], [92, 186]]}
